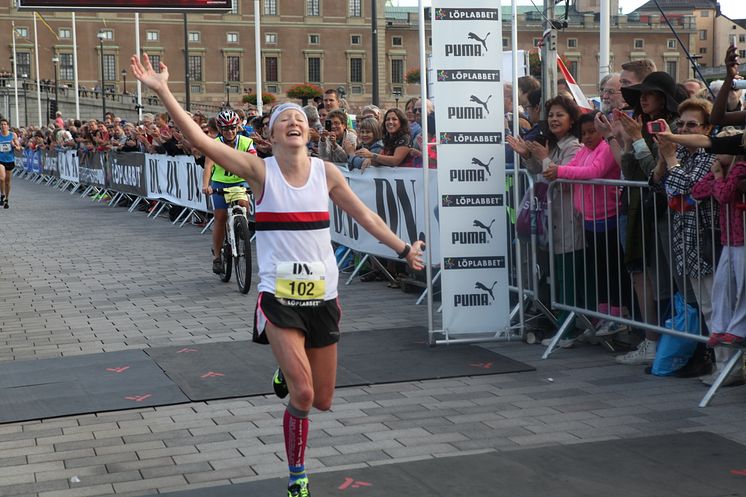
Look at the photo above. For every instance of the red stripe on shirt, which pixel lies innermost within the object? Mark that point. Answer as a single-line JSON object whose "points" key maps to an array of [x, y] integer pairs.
{"points": [[291, 217]]}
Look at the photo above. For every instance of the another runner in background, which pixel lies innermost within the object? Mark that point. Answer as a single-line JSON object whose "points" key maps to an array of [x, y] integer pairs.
{"points": [[8, 143]]}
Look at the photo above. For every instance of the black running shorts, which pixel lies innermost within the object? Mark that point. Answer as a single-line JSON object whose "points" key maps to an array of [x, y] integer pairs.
{"points": [[8, 165], [319, 323]]}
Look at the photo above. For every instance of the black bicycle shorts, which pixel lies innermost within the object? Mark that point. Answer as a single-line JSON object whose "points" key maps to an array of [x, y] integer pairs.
{"points": [[8, 165], [319, 323]]}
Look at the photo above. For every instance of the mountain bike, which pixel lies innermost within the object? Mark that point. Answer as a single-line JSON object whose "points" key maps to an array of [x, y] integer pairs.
{"points": [[236, 249]]}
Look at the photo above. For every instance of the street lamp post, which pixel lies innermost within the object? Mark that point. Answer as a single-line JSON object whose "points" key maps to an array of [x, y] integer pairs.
{"points": [[55, 61], [227, 95], [25, 100], [124, 81], [397, 95], [103, 90]]}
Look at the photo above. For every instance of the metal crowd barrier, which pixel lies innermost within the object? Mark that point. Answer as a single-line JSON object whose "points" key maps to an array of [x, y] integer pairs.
{"points": [[654, 248]]}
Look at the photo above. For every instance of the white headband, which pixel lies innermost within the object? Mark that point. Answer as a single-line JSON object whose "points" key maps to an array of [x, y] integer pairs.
{"points": [[282, 108]]}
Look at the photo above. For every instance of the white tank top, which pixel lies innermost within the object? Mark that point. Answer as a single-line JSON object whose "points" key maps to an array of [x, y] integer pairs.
{"points": [[293, 240]]}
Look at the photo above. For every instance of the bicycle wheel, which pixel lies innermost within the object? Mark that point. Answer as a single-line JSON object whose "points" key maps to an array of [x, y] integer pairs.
{"points": [[243, 248], [227, 255]]}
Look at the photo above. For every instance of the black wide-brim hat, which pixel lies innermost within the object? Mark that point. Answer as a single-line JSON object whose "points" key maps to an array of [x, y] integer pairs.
{"points": [[660, 82]]}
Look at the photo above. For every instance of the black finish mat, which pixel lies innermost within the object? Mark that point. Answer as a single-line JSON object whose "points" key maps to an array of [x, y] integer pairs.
{"points": [[678, 465], [239, 369], [47, 388]]}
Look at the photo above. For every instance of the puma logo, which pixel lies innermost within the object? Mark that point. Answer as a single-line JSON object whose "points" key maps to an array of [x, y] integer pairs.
{"points": [[478, 224], [476, 100], [477, 162], [483, 41], [480, 286]]}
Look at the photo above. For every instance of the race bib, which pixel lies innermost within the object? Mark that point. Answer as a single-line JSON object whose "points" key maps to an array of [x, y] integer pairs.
{"points": [[300, 283], [5, 147]]}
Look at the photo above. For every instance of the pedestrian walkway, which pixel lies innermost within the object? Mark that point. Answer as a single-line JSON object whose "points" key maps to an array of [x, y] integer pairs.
{"points": [[81, 278]]}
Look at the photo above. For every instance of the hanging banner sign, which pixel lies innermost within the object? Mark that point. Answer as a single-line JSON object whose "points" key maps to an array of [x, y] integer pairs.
{"points": [[67, 162], [395, 194], [126, 173], [467, 60], [49, 164], [177, 180], [91, 168]]}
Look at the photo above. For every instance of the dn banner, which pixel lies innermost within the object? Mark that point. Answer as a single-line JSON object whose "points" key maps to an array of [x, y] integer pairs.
{"points": [[467, 59], [49, 164], [395, 194], [127, 173], [67, 162], [177, 180]]}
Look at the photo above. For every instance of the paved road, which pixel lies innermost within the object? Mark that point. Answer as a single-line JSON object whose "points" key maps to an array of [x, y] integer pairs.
{"points": [[80, 278]]}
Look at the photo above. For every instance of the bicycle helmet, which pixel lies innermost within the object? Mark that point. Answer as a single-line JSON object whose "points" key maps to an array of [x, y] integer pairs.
{"points": [[227, 119]]}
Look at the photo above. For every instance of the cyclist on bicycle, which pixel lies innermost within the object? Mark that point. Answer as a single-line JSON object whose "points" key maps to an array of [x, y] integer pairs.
{"points": [[215, 176]]}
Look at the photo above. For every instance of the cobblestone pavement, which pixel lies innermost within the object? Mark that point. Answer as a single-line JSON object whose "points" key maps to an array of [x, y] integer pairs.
{"points": [[80, 278]]}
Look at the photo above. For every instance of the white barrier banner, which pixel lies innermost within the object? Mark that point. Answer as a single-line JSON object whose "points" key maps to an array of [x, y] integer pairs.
{"points": [[395, 194], [177, 180], [67, 162], [467, 58]]}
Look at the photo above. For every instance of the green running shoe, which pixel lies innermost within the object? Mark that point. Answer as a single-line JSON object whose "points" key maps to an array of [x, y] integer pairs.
{"points": [[299, 488], [279, 384]]}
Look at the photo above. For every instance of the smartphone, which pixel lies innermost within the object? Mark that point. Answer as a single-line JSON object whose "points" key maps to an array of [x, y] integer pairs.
{"points": [[328, 125], [655, 127]]}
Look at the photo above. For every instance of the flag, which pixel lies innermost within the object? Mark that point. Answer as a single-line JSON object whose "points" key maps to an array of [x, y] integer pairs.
{"points": [[577, 93]]}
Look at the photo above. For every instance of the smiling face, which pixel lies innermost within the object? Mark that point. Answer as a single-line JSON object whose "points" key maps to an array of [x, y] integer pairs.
{"points": [[559, 121], [589, 136], [365, 135], [392, 123], [290, 129]]}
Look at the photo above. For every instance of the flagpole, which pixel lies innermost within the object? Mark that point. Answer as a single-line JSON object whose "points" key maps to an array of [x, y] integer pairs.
{"points": [[258, 58], [15, 74], [137, 51], [516, 157], [75, 70], [605, 32], [38, 78]]}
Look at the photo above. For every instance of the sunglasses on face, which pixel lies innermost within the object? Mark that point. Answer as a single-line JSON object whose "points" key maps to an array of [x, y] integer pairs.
{"points": [[229, 128], [687, 124]]}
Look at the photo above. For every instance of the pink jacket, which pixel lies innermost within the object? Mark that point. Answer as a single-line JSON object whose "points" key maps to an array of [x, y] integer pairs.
{"points": [[594, 202], [726, 192]]}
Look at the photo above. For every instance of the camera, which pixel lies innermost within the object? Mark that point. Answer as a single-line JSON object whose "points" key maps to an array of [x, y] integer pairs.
{"points": [[655, 127], [328, 125], [739, 84]]}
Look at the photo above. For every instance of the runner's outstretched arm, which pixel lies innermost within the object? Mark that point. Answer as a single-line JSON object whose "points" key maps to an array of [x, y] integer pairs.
{"points": [[247, 166], [342, 195]]}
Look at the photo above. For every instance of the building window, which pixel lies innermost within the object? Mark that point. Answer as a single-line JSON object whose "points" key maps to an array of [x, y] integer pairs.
{"points": [[356, 8], [22, 32], [313, 7], [742, 54], [314, 70], [356, 89], [110, 67], [314, 39], [195, 67], [702, 34], [152, 36], [671, 44], [703, 50], [106, 34], [672, 68], [231, 37], [356, 40], [573, 68], [196, 88], [271, 72], [65, 33], [356, 70], [396, 41], [23, 63], [639, 43], [270, 38], [742, 38], [704, 13], [66, 66], [155, 60], [193, 36], [506, 43], [233, 63], [273, 88], [572, 43], [270, 7], [397, 71]]}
